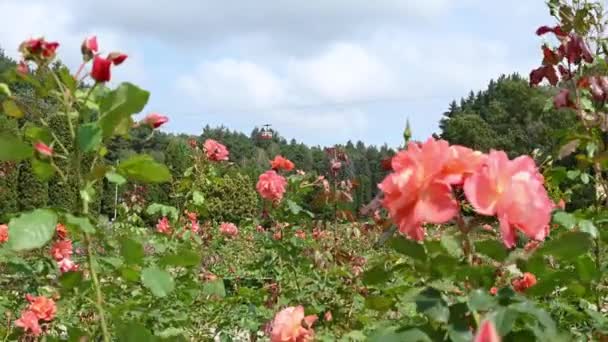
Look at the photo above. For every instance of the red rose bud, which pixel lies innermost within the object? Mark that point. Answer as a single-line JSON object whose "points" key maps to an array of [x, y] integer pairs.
{"points": [[88, 48], [48, 49], [43, 149], [155, 120], [117, 58], [101, 69]]}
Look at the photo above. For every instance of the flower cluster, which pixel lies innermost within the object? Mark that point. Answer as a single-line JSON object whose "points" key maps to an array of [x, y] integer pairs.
{"points": [[281, 163], [38, 50], [163, 226], [62, 250], [271, 186], [291, 325], [215, 151], [420, 189], [524, 282], [229, 229], [40, 308], [3, 233]]}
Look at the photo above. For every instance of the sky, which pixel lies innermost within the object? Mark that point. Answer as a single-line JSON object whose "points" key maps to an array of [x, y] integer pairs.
{"points": [[322, 72]]}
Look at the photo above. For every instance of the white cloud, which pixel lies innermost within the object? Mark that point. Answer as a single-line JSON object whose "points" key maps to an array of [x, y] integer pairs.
{"points": [[345, 72], [229, 82]]}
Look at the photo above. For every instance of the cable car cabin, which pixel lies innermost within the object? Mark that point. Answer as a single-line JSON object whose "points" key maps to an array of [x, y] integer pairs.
{"points": [[266, 135]]}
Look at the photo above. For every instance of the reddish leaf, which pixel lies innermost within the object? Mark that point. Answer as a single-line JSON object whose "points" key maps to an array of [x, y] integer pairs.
{"points": [[557, 30], [547, 71], [549, 56]]}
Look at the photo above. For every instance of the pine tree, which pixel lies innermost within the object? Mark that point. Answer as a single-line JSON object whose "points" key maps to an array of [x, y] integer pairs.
{"points": [[33, 193], [63, 194]]}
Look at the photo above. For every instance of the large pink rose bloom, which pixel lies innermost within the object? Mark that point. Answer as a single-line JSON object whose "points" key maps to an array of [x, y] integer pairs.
{"points": [[513, 191], [290, 325], [416, 192], [215, 151], [462, 162], [271, 185]]}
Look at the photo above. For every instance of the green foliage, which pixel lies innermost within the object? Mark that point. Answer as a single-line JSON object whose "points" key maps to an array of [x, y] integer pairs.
{"points": [[9, 175], [509, 115], [230, 198], [31, 230], [33, 193], [63, 193]]}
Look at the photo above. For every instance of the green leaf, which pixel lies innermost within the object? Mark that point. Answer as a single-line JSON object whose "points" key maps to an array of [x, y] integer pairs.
{"points": [[586, 103], [573, 174], [81, 223], [585, 178], [564, 219], [158, 281], [294, 208], [89, 137], [182, 258], [13, 149], [458, 327], [481, 300], [37, 133], [70, 280], [43, 170], [130, 274], [567, 246], [4, 89], [11, 109], [119, 105], [376, 275], [162, 210], [588, 227], [132, 332], [132, 251], [451, 245], [504, 319], [144, 168], [430, 303], [214, 288], [67, 78], [541, 316], [408, 247], [198, 198], [586, 269], [492, 248], [31, 230], [115, 178], [392, 335], [379, 303], [548, 282]]}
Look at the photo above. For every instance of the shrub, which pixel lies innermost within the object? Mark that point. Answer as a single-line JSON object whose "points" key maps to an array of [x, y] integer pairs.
{"points": [[231, 198]]}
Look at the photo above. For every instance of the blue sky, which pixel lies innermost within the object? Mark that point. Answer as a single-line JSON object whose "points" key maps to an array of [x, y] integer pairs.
{"points": [[322, 72]]}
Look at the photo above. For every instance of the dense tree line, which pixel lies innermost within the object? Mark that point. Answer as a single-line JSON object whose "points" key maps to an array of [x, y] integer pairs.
{"points": [[509, 115], [21, 190]]}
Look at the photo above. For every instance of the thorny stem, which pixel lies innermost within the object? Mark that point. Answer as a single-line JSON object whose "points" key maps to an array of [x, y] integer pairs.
{"points": [[79, 70], [466, 243], [98, 294], [96, 286]]}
